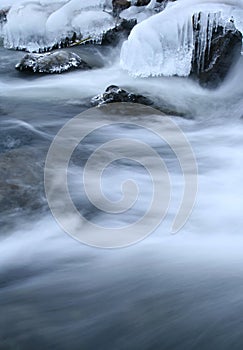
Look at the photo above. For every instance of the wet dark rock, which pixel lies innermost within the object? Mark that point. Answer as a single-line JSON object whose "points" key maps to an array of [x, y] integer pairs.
{"points": [[143, 2], [120, 5], [122, 30], [115, 94], [146, 2], [223, 53], [3, 15], [51, 63]]}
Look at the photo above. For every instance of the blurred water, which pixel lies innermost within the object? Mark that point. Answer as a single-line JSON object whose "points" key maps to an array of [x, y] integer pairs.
{"points": [[167, 292]]}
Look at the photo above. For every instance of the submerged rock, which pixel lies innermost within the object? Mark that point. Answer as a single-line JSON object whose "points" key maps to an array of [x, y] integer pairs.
{"points": [[21, 180], [54, 62], [13, 136], [115, 94], [217, 52]]}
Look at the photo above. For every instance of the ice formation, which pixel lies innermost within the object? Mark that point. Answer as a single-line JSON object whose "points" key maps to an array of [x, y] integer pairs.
{"points": [[38, 24], [163, 44], [140, 13], [7, 3]]}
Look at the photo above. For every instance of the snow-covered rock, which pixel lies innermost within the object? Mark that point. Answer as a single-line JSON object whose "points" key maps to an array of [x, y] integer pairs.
{"points": [[114, 93], [164, 43], [54, 62], [39, 24]]}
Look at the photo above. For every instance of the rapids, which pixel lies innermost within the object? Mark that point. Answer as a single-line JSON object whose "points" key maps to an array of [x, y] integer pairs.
{"points": [[182, 291]]}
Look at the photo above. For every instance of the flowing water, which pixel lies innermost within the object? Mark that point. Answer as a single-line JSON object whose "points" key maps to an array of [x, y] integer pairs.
{"points": [[182, 291]]}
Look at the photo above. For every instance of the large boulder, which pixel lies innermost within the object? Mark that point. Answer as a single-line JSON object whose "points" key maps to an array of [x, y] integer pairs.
{"points": [[176, 42], [211, 63], [54, 62]]}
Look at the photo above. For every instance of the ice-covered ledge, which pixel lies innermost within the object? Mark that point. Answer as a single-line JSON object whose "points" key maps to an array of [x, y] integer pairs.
{"points": [[164, 43], [41, 24]]}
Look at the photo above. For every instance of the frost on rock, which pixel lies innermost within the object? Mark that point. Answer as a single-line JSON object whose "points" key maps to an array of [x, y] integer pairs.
{"points": [[39, 24], [164, 43], [114, 94], [51, 63]]}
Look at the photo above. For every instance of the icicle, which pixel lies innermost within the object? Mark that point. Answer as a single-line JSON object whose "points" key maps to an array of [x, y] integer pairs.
{"points": [[211, 22], [206, 24], [163, 44]]}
